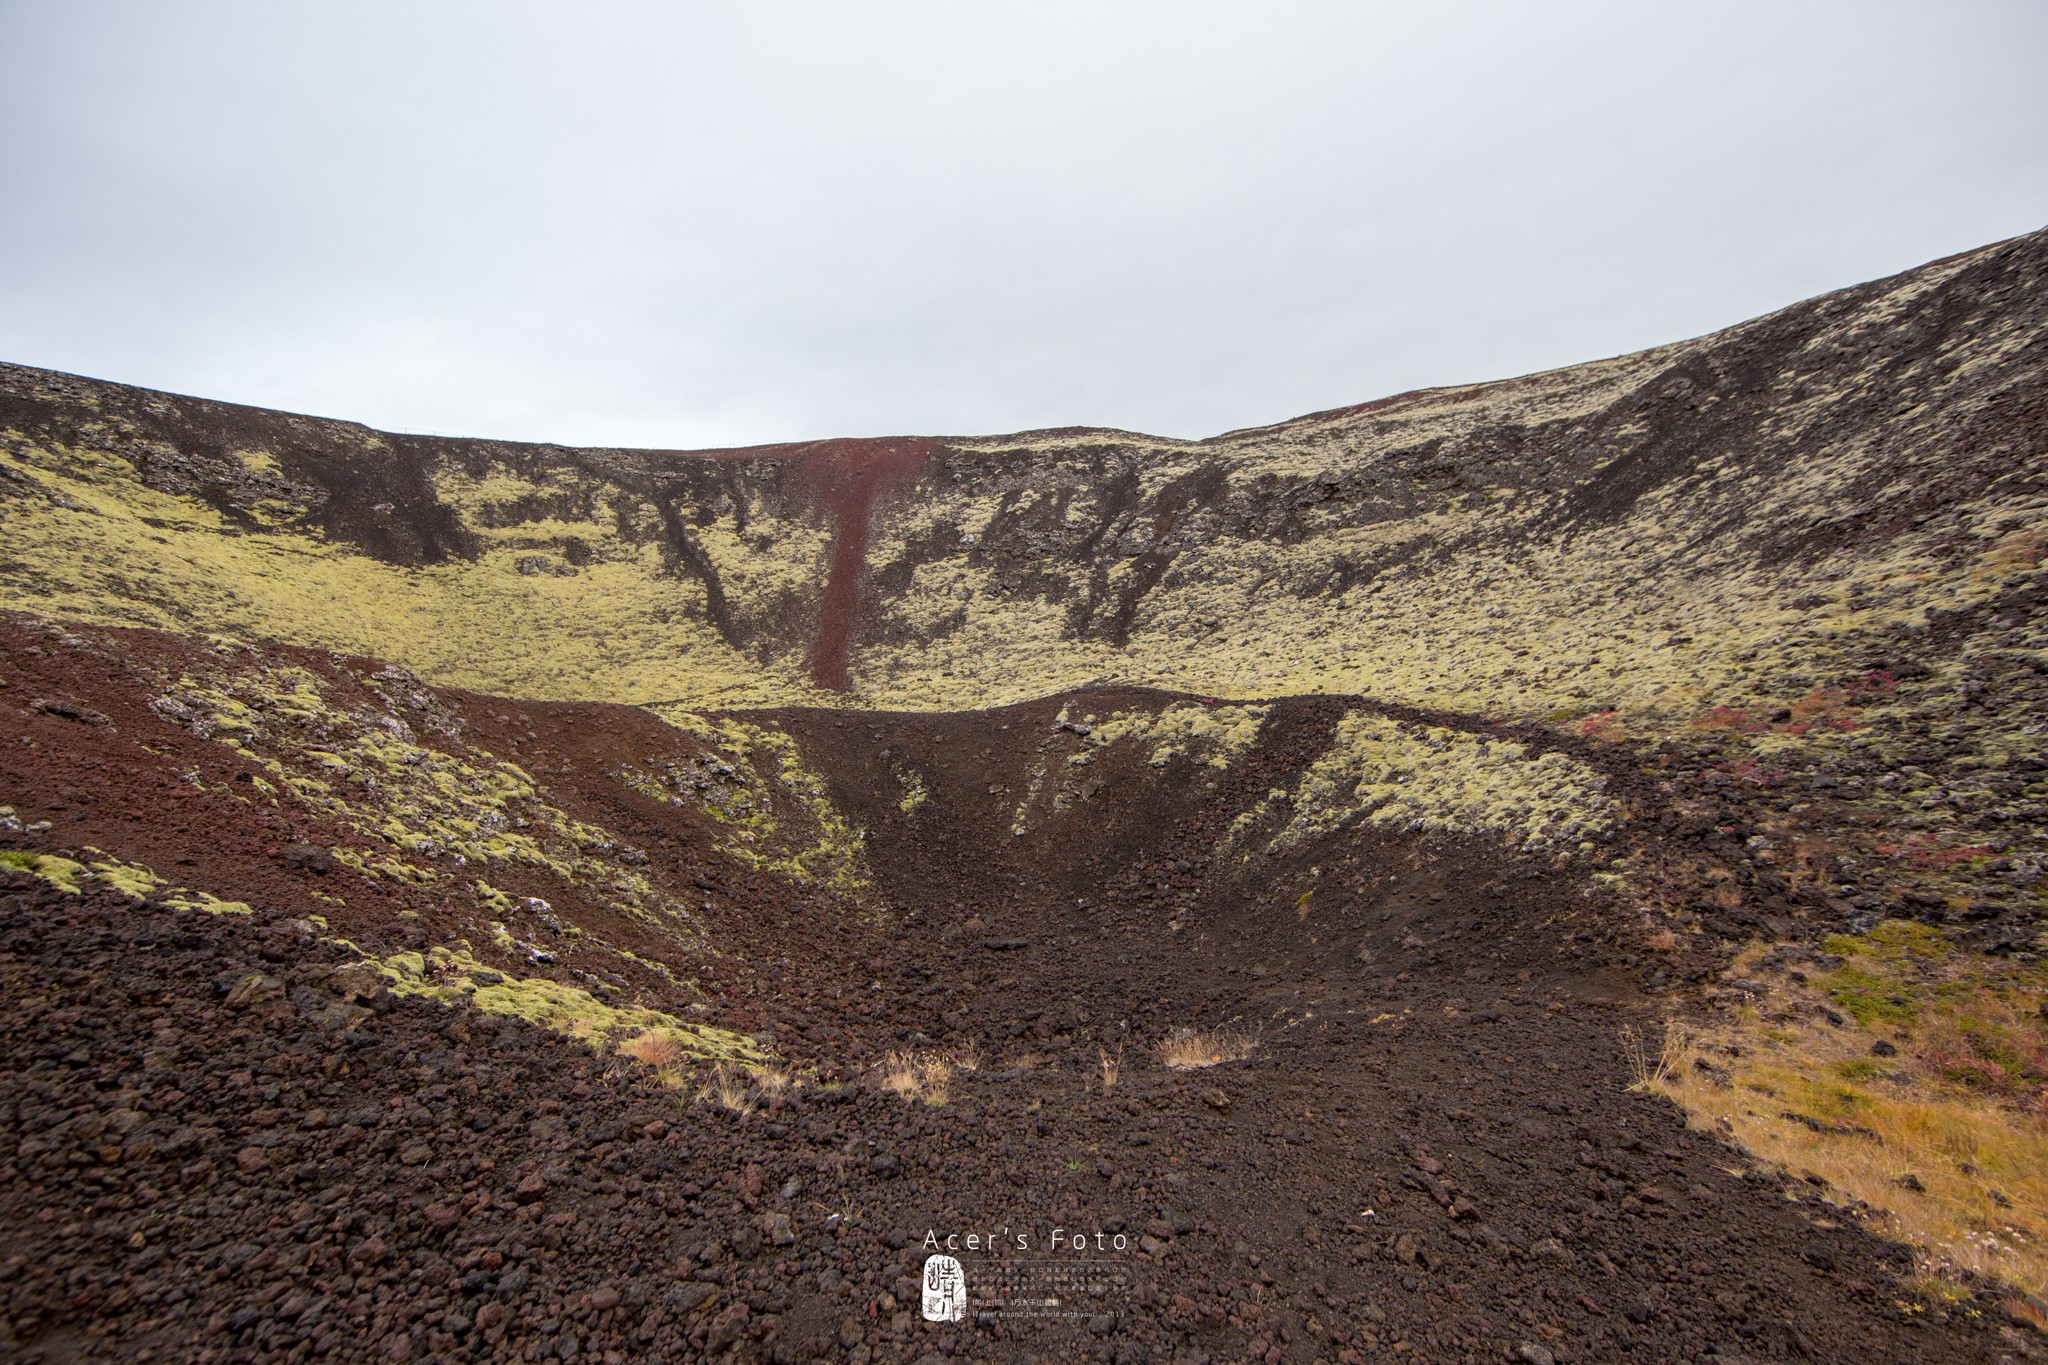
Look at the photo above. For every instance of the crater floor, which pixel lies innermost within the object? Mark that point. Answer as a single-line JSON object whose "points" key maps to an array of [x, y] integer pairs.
{"points": [[321, 1123]]}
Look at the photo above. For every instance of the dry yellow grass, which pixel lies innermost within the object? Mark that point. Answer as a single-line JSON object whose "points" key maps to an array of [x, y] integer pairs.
{"points": [[772, 1082], [927, 1075], [1112, 1067], [743, 1088], [658, 1050], [727, 1088], [1190, 1049], [1653, 1069], [1947, 1152], [662, 1052]]}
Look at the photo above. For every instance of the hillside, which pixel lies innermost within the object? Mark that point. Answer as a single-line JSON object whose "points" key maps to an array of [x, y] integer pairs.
{"points": [[1684, 525], [1546, 870]]}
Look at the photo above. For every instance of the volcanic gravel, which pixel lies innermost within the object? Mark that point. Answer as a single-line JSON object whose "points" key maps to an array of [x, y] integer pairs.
{"points": [[223, 1140], [202, 1171]]}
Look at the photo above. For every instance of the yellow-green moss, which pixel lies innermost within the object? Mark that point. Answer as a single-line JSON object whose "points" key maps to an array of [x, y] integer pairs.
{"points": [[130, 879], [1894, 940], [1434, 778], [430, 795], [1214, 735], [185, 899], [750, 767], [1211, 735], [454, 976], [58, 872], [92, 542], [1466, 590], [1534, 629]]}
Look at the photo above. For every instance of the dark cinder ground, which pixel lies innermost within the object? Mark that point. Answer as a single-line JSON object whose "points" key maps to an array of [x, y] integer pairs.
{"points": [[1431, 1153]]}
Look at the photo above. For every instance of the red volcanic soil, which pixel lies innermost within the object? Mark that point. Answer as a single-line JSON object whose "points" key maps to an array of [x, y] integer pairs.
{"points": [[850, 476]]}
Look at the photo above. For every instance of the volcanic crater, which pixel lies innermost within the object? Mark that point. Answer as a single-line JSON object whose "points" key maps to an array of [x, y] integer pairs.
{"points": [[1483, 875]]}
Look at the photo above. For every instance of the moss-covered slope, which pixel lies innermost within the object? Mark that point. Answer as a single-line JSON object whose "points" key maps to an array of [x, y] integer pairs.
{"points": [[1661, 533]]}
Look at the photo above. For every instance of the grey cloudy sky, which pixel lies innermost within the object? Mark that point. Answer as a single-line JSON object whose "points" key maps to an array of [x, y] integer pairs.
{"points": [[686, 225]]}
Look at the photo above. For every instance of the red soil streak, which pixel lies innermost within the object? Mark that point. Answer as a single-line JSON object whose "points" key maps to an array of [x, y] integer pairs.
{"points": [[849, 476]]}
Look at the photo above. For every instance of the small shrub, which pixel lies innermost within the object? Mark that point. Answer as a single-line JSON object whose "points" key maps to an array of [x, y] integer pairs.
{"points": [[1928, 852], [1726, 718], [1601, 725]]}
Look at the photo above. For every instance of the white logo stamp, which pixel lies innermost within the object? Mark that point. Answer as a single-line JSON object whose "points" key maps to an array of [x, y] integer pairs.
{"points": [[945, 1290]]}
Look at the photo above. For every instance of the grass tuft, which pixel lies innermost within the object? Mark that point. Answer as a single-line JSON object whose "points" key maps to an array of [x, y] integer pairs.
{"points": [[1111, 1067], [726, 1087], [928, 1075], [658, 1050], [1652, 1070], [1191, 1049]]}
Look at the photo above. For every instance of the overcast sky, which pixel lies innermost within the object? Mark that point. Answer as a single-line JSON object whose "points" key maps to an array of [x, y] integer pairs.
{"points": [[689, 225]]}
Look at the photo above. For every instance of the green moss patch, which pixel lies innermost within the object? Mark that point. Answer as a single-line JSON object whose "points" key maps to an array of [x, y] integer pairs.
{"points": [[453, 976], [775, 807]]}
